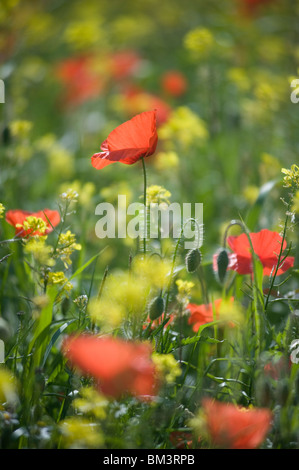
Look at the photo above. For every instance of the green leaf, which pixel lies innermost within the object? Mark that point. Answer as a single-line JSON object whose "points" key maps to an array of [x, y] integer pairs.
{"points": [[254, 212], [54, 338], [82, 268]]}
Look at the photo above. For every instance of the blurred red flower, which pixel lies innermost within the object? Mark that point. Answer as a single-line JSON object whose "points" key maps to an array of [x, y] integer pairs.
{"points": [[174, 83], [129, 142], [80, 79], [123, 64], [17, 217], [204, 313], [201, 314], [135, 100], [118, 366], [266, 245], [234, 427], [250, 7]]}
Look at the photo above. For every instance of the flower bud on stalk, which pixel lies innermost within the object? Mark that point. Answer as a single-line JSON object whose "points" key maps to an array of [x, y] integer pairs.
{"points": [[193, 260], [156, 308], [222, 264]]}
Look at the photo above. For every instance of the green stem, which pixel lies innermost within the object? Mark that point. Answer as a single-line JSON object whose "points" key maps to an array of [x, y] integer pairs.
{"points": [[278, 262], [144, 203]]}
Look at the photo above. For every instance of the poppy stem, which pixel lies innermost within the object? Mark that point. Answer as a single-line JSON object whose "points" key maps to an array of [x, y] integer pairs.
{"points": [[144, 203]]}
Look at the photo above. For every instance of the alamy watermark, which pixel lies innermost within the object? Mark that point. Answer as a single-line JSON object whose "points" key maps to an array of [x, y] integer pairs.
{"points": [[295, 93], [2, 91], [160, 221], [294, 350], [2, 352]]}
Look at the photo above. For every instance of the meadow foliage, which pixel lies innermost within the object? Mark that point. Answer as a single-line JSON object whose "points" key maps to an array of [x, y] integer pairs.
{"points": [[139, 342]]}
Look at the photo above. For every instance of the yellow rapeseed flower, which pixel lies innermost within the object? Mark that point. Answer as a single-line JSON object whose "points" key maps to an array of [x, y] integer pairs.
{"points": [[167, 367], [291, 180], [184, 127], [80, 433], [2, 210], [66, 247], [200, 42], [41, 252], [91, 402], [157, 194]]}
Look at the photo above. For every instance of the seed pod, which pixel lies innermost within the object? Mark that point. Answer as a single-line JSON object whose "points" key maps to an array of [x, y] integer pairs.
{"points": [[222, 264], [156, 308], [193, 260]]}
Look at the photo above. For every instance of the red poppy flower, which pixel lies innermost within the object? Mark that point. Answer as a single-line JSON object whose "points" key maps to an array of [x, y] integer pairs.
{"points": [[205, 313], [129, 142], [174, 83], [80, 79], [266, 245], [118, 366], [17, 217], [234, 427]]}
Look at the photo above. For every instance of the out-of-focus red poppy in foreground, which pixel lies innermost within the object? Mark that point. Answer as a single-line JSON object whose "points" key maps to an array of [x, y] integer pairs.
{"points": [[118, 366], [266, 245], [129, 142], [17, 217], [233, 427]]}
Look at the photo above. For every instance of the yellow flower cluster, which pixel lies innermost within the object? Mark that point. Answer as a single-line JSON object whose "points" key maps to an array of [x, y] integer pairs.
{"points": [[91, 402], [80, 433], [295, 206], [184, 291], [125, 294], [239, 77], [2, 210], [167, 367], [8, 387], [184, 127], [33, 224], [58, 278], [157, 194], [41, 252], [166, 161], [291, 180], [199, 41], [70, 195], [20, 128], [66, 247], [83, 192]]}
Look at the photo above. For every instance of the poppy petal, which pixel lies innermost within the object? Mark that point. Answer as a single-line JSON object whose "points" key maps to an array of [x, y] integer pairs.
{"points": [[129, 142]]}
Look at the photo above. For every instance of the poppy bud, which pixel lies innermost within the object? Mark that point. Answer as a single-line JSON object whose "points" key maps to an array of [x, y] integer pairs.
{"points": [[6, 135], [193, 260], [156, 308], [222, 264]]}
